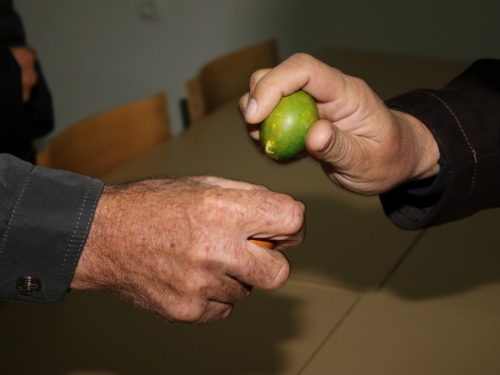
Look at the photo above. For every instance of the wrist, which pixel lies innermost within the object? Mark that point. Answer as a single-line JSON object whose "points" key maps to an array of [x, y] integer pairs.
{"points": [[93, 271], [422, 150]]}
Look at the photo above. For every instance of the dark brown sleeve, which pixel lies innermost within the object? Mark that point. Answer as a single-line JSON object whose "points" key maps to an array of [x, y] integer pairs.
{"points": [[464, 118]]}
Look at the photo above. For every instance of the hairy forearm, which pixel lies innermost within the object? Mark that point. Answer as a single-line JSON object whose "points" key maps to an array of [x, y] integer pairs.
{"points": [[120, 230]]}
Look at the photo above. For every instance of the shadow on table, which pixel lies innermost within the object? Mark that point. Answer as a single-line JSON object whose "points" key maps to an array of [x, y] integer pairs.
{"points": [[358, 248], [113, 338], [96, 333]]}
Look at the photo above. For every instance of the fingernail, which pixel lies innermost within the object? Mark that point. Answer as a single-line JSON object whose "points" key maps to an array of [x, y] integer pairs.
{"points": [[327, 145], [251, 109]]}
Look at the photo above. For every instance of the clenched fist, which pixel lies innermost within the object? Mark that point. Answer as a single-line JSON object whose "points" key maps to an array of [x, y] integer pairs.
{"points": [[361, 144], [180, 248]]}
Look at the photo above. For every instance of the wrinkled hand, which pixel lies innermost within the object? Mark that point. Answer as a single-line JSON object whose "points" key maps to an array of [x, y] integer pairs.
{"points": [[26, 59], [361, 144], [179, 248]]}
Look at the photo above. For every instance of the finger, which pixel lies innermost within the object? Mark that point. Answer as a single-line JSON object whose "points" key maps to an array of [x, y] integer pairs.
{"points": [[29, 81], [200, 301], [254, 132], [195, 311], [255, 211], [244, 102], [300, 71], [253, 129], [215, 311], [260, 267], [256, 77], [328, 144], [226, 289], [291, 241], [273, 216], [30, 78]]}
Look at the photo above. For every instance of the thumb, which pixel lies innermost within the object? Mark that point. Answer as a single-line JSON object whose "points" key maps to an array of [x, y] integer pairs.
{"points": [[328, 144]]}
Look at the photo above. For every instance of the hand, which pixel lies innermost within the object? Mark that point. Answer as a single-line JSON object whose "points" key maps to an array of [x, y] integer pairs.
{"points": [[26, 59], [179, 248], [361, 144]]}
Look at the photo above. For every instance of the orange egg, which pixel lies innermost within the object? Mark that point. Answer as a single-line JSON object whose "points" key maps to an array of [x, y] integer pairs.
{"points": [[264, 243]]}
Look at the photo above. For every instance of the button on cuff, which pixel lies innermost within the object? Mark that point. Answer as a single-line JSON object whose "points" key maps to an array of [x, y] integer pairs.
{"points": [[28, 286]]}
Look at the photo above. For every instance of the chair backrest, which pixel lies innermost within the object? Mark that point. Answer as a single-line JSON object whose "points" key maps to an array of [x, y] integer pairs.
{"points": [[227, 78], [98, 144]]}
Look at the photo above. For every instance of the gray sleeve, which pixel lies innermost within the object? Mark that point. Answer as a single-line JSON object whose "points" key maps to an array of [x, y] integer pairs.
{"points": [[45, 218]]}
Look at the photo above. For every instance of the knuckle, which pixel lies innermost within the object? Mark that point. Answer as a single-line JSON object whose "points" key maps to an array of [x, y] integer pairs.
{"points": [[241, 294], [258, 188], [361, 90], [359, 82], [189, 312], [256, 76], [213, 203], [220, 313], [302, 58], [226, 312], [295, 216]]}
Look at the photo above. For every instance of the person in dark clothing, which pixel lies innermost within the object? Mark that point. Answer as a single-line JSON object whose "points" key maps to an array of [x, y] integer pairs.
{"points": [[433, 156], [175, 247], [25, 101]]}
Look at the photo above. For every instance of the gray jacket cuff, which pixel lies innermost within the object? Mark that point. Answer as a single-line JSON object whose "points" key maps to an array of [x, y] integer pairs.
{"points": [[45, 218]]}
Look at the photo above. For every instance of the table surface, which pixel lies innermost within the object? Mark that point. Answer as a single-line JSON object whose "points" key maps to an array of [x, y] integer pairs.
{"points": [[363, 298]]}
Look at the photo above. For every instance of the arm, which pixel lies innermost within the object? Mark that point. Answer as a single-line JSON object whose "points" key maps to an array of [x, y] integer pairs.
{"points": [[464, 118], [44, 221], [368, 148], [361, 144], [178, 248]]}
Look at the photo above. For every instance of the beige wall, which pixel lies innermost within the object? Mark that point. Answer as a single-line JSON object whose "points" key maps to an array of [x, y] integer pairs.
{"points": [[100, 53]]}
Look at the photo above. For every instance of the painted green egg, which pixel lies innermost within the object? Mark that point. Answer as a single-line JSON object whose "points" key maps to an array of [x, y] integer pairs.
{"points": [[283, 133]]}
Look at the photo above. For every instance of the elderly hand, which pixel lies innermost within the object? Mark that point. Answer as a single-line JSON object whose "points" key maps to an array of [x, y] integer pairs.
{"points": [[179, 248], [361, 144], [26, 59]]}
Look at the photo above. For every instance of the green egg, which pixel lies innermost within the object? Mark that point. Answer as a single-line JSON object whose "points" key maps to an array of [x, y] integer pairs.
{"points": [[283, 133]]}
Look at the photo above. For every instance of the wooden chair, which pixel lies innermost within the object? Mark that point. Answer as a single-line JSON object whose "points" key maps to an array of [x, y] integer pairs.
{"points": [[95, 146], [227, 78]]}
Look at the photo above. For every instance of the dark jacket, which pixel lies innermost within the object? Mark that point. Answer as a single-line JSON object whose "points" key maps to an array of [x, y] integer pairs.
{"points": [[20, 123], [45, 215], [464, 118], [45, 218]]}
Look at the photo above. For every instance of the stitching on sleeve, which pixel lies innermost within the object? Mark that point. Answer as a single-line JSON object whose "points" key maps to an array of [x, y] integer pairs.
{"points": [[474, 152], [87, 229], [11, 219], [72, 239]]}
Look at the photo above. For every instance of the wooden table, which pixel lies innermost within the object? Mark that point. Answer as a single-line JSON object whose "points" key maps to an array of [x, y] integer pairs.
{"points": [[364, 297]]}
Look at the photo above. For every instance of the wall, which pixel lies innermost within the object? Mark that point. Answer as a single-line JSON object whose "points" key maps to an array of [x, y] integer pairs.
{"points": [[97, 54]]}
